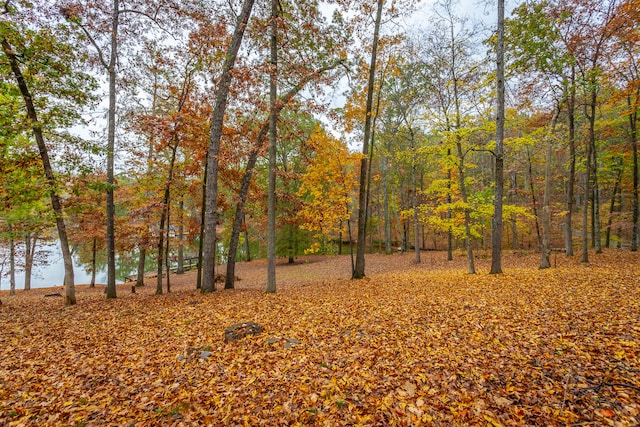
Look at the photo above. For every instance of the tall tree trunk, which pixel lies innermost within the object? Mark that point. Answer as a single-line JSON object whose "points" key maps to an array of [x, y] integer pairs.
{"points": [[273, 136], [568, 218], [211, 211], [247, 246], [70, 293], [585, 206], [449, 213], [358, 272], [142, 247], [616, 189], [142, 258], [514, 200], [533, 200], [202, 217], [633, 136], [180, 267], [94, 251], [467, 215], [414, 202], [164, 217], [496, 222], [248, 173], [111, 147], [546, 202], [596, 203], [30, 243], [166, 251], [387, 214], [12, 262], [596, 190]]}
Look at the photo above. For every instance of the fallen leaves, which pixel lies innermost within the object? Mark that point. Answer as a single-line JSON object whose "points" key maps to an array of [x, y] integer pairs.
{"points": [[427, 346]]}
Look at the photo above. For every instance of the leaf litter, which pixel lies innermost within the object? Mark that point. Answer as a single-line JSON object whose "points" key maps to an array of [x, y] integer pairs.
{"points": [[422, 344]]}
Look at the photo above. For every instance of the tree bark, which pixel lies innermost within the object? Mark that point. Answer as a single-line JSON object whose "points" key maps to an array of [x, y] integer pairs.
{"points": [[93, 264], [30, 243], [180, 268], [164, 215], [496, 221], [387, 215], [533, 199], [273, 136], [211, 210], [111, 138], [449, 213], [467, 215], [358, 272], [633, 136], [616, 191], [12, 262], [585, 206], [546, 199], [238, 218], [70, 293], [568, 231]]}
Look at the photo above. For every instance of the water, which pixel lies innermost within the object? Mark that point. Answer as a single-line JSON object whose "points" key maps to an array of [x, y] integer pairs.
{"points": [[51, 274]]}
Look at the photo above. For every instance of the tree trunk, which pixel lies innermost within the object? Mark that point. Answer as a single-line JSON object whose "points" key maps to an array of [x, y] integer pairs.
{"points": [[496, 222], [93, 264], [597, 240], [12, 262], [633, 136], [202, 217], [180, 267], [164, 217], [449, 213], [616, 188], [546, 202], [247, 246], [514, 200], [467, 215], [142, 258], [414, 202], [273, 136], [30, 243], [70, 293], [585, 206], [358, 272], [211, 210], [387, 215], [596, 202], [166, 252], [111, 138], [568, 231], [248, 174], [533, 200]]}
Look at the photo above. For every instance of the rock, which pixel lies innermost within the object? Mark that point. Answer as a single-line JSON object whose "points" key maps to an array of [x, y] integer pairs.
{"points": [[241, 330]]}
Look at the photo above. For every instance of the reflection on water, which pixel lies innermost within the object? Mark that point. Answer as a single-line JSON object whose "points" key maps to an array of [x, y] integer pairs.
{"points": [[52, 274]]}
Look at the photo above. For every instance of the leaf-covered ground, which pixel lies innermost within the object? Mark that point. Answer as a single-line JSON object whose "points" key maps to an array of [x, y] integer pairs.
{"points": [[409, 345]]}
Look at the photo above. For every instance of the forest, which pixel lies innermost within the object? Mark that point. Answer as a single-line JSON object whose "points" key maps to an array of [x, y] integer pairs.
{"points": [[419, 215], [157, 131]]}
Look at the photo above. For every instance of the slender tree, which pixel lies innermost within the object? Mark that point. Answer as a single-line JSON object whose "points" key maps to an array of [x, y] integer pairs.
{"points": [[220, 105], [496, 222], [358, 272]]}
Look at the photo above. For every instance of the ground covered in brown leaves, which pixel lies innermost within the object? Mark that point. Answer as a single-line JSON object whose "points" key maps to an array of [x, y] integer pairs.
{"points": [[409, 345]]}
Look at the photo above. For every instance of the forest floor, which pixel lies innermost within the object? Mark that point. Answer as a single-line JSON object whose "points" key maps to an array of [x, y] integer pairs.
{"points": [[411, 344]]}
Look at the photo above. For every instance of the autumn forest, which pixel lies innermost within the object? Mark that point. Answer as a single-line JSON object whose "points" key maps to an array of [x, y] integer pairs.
{"points": [[419, 217]]}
